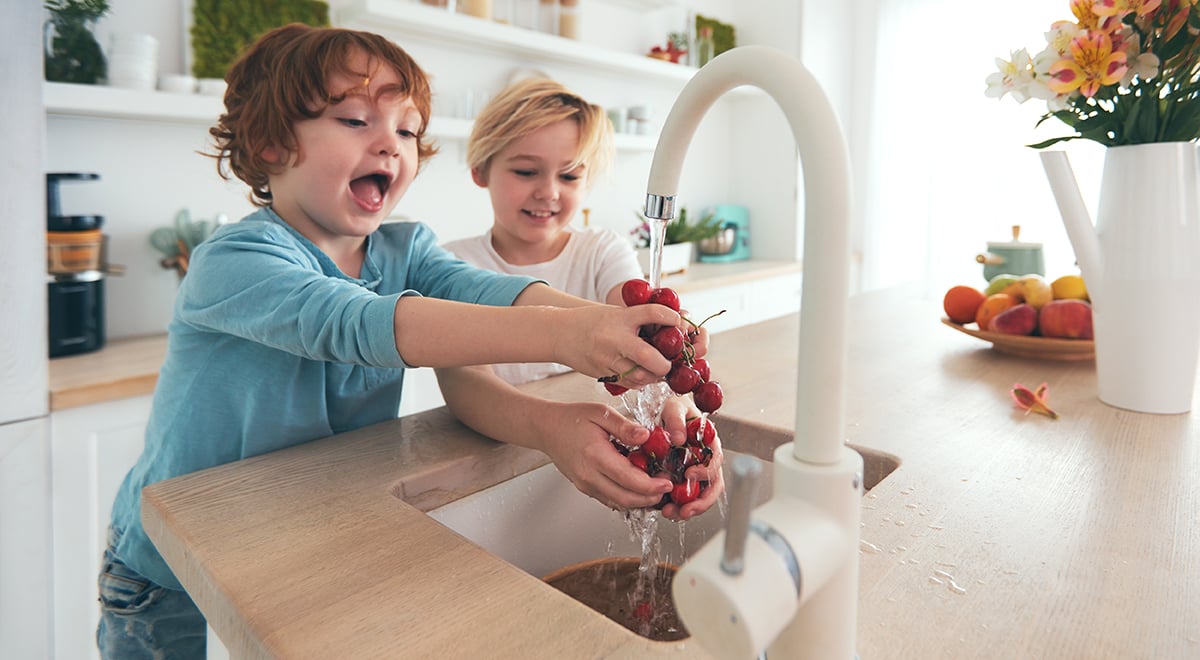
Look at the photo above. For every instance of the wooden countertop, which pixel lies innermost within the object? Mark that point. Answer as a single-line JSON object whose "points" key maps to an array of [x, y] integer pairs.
{"points": [[123, 368], [1002, 535]]}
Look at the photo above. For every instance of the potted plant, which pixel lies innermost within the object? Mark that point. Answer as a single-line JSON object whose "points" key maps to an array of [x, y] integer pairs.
{"points": [[1126, 75], [678, 243], [73, 55]]}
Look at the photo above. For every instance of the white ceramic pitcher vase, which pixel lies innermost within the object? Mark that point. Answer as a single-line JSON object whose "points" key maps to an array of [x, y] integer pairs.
{"points": [[1141, 264]]}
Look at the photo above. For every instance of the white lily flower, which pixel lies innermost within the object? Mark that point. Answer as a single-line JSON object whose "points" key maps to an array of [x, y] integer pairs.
{"points": [[1014, 77]]}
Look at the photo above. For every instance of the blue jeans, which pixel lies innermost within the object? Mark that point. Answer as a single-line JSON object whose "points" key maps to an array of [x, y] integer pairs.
{"points": [[139, 619]]}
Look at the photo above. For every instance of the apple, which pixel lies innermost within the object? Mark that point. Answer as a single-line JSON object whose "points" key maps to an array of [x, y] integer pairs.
{"points": [[999, 283], [1017, 320], [1069, 318], [1032, 289]]}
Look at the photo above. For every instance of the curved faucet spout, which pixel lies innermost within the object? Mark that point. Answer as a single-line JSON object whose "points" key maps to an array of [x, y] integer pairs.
{"points": [[820, 391]]}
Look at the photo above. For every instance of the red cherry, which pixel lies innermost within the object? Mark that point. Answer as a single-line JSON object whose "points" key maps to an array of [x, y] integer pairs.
{"points": [[658, 444], [682, 378], [693, 430], [644, 611], [669, 341], [641, 459], [665, 296], [708, 396], [615, 390], [701, 365], [635, 292], [685, 492]]}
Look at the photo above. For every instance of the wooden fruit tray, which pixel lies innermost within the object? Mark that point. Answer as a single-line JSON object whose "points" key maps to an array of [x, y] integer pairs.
{"points": [[1042, 348]]}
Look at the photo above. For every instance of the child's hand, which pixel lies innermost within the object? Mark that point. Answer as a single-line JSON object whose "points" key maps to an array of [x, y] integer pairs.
{"points": [[603, 341], [577, 440], [676, 412]]}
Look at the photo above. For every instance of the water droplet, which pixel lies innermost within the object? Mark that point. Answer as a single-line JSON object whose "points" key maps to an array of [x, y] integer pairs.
{"points": [[900, 523], [934, 580], [936, 527], [944, 574], [867, 546], [953, 586]]}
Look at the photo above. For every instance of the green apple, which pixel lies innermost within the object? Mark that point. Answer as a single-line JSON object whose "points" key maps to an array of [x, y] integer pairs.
{"points": [[999, 283]]}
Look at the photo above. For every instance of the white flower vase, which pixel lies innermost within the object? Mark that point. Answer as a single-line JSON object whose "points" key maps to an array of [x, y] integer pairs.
{"points": [[1141, 263], [675, 258]]}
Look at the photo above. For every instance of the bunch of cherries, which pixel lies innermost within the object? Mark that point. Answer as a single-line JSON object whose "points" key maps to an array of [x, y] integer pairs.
{"points": [[657, 456], [689, 374]]}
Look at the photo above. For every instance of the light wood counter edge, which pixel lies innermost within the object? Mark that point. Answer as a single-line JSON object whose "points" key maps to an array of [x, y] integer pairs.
{"points": [[124, 368], [513, 611]]}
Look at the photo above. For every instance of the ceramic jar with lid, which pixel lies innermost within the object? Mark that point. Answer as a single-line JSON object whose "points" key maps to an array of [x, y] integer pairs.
{"points": [[1015, 257]]}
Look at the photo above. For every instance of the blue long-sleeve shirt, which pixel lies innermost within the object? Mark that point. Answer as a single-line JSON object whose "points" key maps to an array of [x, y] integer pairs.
{"points": [[271, 345]]}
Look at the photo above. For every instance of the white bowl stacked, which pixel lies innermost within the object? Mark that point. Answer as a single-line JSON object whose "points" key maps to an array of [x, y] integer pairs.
{"points": [[133, 61]]}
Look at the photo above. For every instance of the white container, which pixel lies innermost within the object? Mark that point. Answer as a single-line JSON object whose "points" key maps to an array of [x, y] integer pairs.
{"points": [[211, 86], [675, 258], [177, 83], [1142, 272], [133, 61]]}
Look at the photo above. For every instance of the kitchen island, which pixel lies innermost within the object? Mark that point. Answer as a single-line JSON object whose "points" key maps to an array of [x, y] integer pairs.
{"points": [[1001, 535]]}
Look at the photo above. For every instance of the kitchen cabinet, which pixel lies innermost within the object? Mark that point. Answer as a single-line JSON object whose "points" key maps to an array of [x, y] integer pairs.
{"points": [[745, 304], [25, 541], [92, 447], [24, 449]]}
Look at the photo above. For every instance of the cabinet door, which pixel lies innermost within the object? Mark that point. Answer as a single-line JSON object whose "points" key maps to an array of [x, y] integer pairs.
{"points": [[24, 540], [92, 447], [421, 392]]}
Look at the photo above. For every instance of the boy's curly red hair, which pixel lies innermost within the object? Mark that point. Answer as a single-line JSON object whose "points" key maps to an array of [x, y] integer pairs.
{"points": [[281, 79]]}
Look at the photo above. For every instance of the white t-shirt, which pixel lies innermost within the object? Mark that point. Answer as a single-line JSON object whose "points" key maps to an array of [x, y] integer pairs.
{"points": [[593, 262]]}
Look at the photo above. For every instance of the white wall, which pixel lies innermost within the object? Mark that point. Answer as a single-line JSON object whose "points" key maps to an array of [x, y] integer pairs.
{"points": [[150, 171]]}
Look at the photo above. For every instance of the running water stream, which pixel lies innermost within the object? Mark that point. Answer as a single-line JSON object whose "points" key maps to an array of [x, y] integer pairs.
{"points": [[646, 404]]}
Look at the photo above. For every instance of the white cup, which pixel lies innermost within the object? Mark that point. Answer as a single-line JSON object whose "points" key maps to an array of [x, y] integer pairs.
{"points": [[211, 86], [177, 83], [136, 44]]}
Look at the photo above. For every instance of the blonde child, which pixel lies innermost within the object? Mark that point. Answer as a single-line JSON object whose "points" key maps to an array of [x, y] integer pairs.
{"points": [[298, 322], [537, 148]]}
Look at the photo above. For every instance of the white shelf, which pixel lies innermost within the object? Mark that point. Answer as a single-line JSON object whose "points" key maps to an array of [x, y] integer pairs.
{"points": [[99, 101], [71, 100], [413, 20]]}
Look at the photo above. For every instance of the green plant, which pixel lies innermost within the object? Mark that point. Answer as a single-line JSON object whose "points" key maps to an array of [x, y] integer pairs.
{"points": [[678, 230], [74, 55], [221, 29], [1122, 73]]}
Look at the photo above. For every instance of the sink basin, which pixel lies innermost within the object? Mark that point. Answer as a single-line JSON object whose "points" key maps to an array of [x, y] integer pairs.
{"points": [[539, 522]]}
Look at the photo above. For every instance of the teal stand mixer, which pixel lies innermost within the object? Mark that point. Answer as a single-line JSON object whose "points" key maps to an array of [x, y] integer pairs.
{"points": [[734, 217]]}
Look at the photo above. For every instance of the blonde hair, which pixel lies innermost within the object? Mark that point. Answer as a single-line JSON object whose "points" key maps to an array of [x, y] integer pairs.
{"points": [[529, 105]]}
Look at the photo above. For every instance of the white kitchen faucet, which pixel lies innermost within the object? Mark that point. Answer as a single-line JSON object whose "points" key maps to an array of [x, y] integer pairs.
{"points": [[783, 578]]}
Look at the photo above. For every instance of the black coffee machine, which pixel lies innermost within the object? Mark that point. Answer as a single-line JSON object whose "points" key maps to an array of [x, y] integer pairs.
{"points": [[75, 266]]}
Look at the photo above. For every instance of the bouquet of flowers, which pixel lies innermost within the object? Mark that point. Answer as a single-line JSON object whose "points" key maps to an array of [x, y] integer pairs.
{"points": [[1123, 72]]}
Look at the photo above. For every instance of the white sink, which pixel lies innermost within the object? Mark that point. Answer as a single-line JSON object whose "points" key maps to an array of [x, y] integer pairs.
{"points": [[539, 522]]}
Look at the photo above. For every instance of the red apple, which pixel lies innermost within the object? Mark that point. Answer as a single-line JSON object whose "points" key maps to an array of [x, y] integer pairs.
{"points": [[1067, 318], [1017, 320]]}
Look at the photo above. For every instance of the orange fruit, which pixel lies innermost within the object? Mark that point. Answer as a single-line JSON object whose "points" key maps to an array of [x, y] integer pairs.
{"points": [[993, 305], [962, 302]]}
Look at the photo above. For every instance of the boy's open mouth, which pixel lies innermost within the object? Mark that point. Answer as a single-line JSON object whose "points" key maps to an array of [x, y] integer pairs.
{"points": [[371, 188]]}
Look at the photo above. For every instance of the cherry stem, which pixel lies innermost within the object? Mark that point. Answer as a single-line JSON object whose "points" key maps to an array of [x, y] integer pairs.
{"points": [[710, 317], [616, 377]]}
